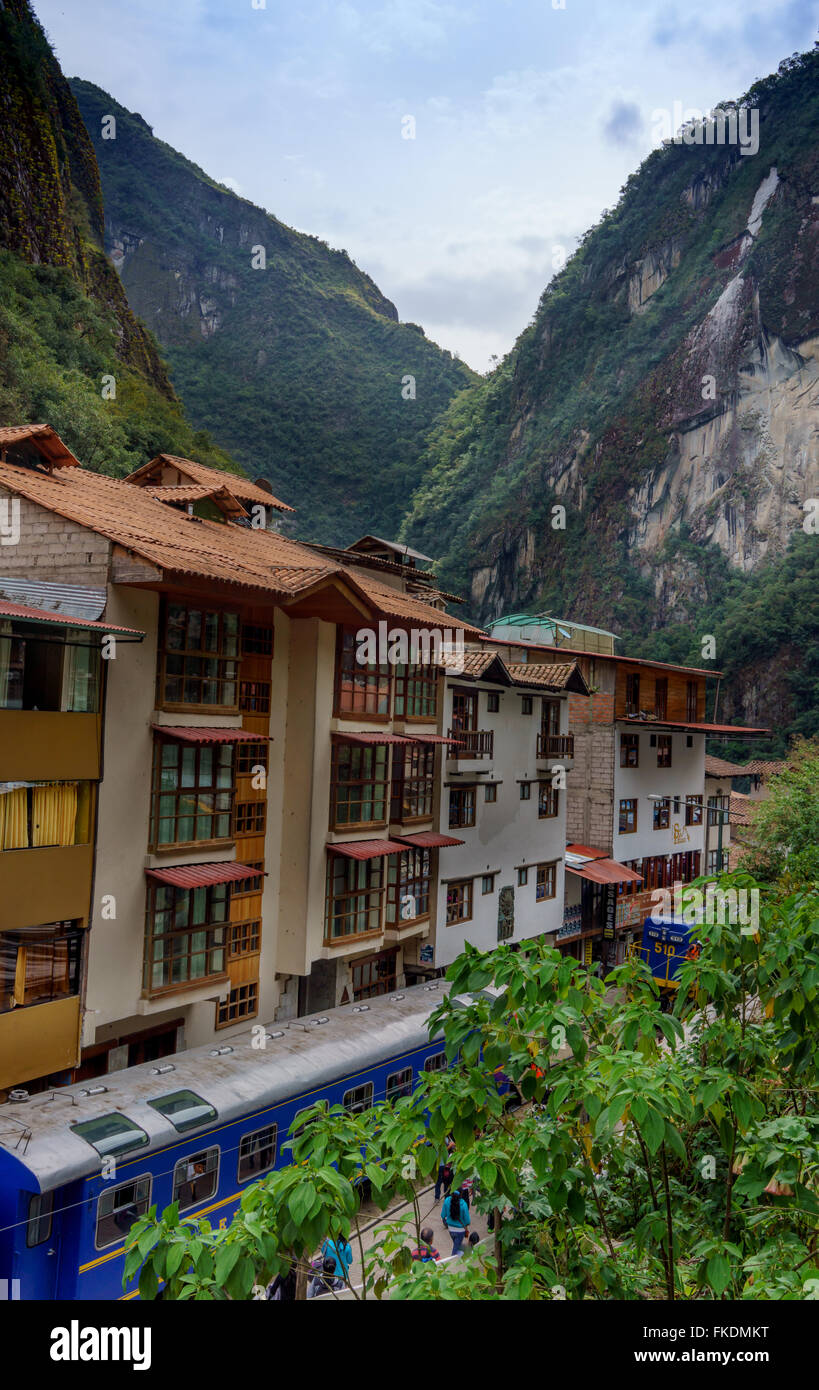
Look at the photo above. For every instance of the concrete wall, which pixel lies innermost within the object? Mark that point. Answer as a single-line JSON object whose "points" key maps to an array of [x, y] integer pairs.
{"points": [[686, 776], [54, 550]]}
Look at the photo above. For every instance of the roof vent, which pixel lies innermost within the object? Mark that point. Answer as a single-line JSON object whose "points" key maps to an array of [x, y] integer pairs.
{"points": [[323, 1019], [220, 1051], [160, 1071], [18, 1095], [395, 997], [94, 1091], [432, 986], [278, 1034], [361, 1009]]}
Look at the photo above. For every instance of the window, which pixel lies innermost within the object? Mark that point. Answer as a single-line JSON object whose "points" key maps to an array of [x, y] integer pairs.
{"points": [[413, 782], [550, 717], [57, 671], [361, 688], [526, 704], [359, 785], [628, 815], [547, 801], [399, 1083], [407, 887], [256, 641], [38, 1225], [488, 883], [712, 863], [545, 887], [691, 701], [250, 817], [633, 694], [192, 792], [374, 976], [40, 964], [245, 887], [490, 792], [254, 697], [662, 815], [459, 902], [242, 1002], [464, 711], [525, 791], [111, 1134], [118, 1208], [244, 939], [198, 657], [250, 757], [461, 807], [195, 1178], [523, 877], [39, 815], [437, 1062], [493, 701], [629, 750], [257, 1153], [185, 934], [184, 1109], [416, 692], [693, 810], [717, 806], [354, 889], [661, 698], [664, 870], [359, 1099], [663, 750]]}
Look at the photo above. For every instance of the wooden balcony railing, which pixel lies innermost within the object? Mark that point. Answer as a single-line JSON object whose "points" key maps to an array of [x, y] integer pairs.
{"points": [[555, 745], [472, 743]]}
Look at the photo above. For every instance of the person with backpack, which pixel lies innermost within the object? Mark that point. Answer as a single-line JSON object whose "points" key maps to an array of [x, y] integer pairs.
{"points": [[340, 1252], [445, 1171], [426, 1250], [324, 1282], [455, 1216], [283, 1287]]}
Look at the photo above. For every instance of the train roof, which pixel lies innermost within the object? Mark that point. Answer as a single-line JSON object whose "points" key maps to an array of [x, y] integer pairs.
{"points": [[300, 1056]]}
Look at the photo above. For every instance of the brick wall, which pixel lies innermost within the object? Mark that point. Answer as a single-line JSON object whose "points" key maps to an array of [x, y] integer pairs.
{"points": [[590, 787], [52, 548]]}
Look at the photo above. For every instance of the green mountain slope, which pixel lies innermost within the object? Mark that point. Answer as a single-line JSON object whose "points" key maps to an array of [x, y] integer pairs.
{"points": [[298, 368], [65, 322]]}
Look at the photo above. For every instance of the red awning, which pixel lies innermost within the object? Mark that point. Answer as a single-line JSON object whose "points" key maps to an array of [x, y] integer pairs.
{"points": [[433, 738], [429, 839], [586, 851], [371, 738], [202, 875], [46, 616], [605, 871], [366, 849], [191, 735]]}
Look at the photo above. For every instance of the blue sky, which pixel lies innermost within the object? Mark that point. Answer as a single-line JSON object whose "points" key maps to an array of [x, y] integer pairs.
{"points": [[528, 119]]}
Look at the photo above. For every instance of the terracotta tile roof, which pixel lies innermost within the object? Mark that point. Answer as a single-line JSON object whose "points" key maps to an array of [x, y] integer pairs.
{"points": [[565, 675], [760, 768], [719, 767], [182, 545], [46, 441], [210, 477], [739, 810], [475, 663], [179, 492]]}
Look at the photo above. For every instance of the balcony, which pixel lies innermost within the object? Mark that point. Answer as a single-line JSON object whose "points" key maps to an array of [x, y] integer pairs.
{"points": [[38, 1040], [555, 748], [470, 744], [51, 884]]}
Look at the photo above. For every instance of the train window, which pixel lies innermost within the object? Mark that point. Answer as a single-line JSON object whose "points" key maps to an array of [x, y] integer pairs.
{"points": [[119, 1208], [399, 1084], [195, 1178], [184, 1109], [38, 1226], [257, 1153], [359, 1098], [111, 1134], [435, 1063]]}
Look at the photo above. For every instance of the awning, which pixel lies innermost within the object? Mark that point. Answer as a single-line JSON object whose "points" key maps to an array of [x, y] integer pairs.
{"points": [[433, 738], [429, 839], [202, 875], [585, 852], [191, 735], [366, 849], [371, 738], [41, 615], [604, 871]]}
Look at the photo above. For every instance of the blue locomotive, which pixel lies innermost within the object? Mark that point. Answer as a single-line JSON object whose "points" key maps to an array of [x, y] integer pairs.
{"points": [[667, 942], [78, 1165]]}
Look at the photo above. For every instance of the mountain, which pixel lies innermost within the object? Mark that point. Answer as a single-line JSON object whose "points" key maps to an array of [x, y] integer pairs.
{"points": [[666, 395], [299, 368], [65, 322]]}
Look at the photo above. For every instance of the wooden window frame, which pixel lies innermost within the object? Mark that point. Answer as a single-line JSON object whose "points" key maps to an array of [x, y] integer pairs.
{"points": [[493, 701], [627, 801], [548, 801], [550, 716], [415, 693], [661, 698], [213, 930], [546, 874], [242, 1002], [198, 792], [250, 818], [526, 791], [199, 655], [693, 810], [662, 815], [412, 796], [527, 704], [24, 985], [487, 788], [371, 765], [363, 690], [254, 697], [523, 877], [380, 982], [665, 745], [245, 938], [462, 805], [465, 886], [692, 700], [254, 885], [633, 692], [490, 879], [250, 755], [408, 874], [257, 640], [365, 897], [629, 743]]}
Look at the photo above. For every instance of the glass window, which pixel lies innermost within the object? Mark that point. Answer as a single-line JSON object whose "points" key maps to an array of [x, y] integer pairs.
{"points": [[493, 701], [40, 1211], [693, 810], [487, 883], [416, 691], [525, 791], [662, 815], [629, 750], [359, 786], [435, 1063], [198, 658], [358, 1099], [257, 641], [375, 975], [242, 1002], [354, 891], [490, 792], [408, 876], [523, 877], [251, 817], [526, 704], [192, 792], [257, 1153], [184, 1109], [628, 815], [119, 1207], [196, 1178], [40, 964], [111, 1134], [459, 902], [413, 782], [250, 757], [52, 669], [547, 805], [399, 1083], [461, 807], [633, 694], [361, 687], [186, 932], [546, 881], [663, 750]]}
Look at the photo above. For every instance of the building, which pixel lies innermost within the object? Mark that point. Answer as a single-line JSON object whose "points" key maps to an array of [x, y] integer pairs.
{"points": [[253, 769]]}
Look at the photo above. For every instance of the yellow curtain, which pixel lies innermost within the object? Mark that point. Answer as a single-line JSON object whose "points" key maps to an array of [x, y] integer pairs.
{"points": [[14, 819], [54, 813]]}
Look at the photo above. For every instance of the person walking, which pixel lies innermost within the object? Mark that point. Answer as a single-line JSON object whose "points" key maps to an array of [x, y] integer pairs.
{"points": [[340, 1252], [445, 1171], [455, 1216], [426, 1250], [325, 1281]]}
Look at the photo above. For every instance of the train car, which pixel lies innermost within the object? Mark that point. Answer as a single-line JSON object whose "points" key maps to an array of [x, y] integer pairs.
{"points": [[80, 1164], [667, 942]]}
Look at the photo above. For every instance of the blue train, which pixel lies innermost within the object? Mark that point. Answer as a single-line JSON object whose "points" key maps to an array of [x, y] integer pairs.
{"points": [[78, 1165], [667, 943]]}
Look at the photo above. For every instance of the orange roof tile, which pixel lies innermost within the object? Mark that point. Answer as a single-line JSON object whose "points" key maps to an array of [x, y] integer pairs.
{"points": [[210, 477], [46, 441]]}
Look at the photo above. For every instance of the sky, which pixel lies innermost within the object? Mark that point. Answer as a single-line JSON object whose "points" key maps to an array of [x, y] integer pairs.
{"points": [[457, 149]]}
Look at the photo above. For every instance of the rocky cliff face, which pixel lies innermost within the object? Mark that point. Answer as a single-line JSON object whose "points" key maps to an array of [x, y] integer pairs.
{"points": [[666, 395]]}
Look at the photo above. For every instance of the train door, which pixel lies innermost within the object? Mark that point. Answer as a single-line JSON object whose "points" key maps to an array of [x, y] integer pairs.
{"points": [[37, 1245]]}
